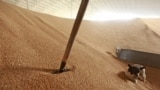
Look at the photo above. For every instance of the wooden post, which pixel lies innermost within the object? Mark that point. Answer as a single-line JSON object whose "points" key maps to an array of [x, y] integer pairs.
{"points": [[27, 4], [75, 28]]}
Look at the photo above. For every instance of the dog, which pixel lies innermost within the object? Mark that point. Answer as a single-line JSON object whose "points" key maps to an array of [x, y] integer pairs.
{"points": [[135, 72]]}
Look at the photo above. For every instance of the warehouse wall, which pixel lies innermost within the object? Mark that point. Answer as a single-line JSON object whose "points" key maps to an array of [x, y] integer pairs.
{"points": [[97, 9]]}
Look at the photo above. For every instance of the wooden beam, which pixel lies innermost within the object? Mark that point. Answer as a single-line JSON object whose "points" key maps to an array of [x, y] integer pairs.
{"points": [[75, 28]]}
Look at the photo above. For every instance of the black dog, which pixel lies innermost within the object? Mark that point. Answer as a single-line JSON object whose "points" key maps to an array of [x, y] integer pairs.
{"points": [[136, 71]]}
